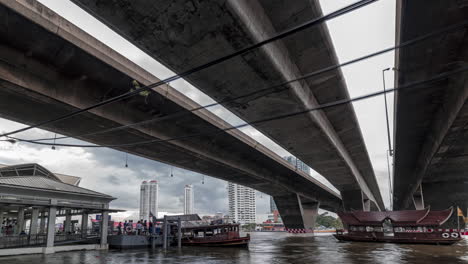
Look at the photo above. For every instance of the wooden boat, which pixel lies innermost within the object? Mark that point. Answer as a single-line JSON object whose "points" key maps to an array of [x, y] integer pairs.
{"points": [[411, 226], [224, 235]]}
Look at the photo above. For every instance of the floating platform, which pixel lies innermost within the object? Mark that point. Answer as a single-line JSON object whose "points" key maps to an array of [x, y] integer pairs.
{"points": [[132, 241]]}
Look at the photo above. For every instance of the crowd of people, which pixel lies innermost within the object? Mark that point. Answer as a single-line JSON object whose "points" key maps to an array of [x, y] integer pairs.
{"points": [[9, 227], [142, 227]]}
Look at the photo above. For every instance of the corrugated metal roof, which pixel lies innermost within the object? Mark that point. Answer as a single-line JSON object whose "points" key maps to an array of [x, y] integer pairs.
{"points": [[73, 180], [38, 182]]}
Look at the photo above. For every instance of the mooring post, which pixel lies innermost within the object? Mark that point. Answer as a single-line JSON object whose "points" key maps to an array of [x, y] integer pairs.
{"points": [[179, 233]]}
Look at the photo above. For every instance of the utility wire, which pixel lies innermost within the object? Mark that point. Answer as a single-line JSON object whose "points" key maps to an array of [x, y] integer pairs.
{"points": [[272, 89], [281, 35], [409, 86]]}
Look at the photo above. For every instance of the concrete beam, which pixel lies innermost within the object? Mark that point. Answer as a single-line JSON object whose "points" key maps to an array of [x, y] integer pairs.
{"points": [[324, 137], [427, 119], [230, 156]]}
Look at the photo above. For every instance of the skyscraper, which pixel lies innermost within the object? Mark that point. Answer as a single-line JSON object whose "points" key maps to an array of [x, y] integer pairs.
{"points": [[272, 205], [188, 199], [144, 200], [149, 198], [298, 164], [242, 208]]}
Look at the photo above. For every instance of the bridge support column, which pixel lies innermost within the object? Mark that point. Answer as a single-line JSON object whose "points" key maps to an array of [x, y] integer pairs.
{"points": [[442, 195], [356, 200], [295, 213], [309, 214], [418, 199]]}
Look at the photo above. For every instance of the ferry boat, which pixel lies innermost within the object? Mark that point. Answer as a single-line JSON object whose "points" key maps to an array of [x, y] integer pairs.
{"points": [[223, 235], [410, 226]]}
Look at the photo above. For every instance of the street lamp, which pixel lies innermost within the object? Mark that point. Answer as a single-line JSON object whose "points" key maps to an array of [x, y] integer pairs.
{"points": [[386, 112], [390, 150]]}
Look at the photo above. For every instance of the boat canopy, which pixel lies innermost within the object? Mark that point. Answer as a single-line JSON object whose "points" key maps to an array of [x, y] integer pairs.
{"points": [[424, 217]]}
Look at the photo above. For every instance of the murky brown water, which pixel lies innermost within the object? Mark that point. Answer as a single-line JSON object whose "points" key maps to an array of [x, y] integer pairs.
{"points": [[269, 248]]}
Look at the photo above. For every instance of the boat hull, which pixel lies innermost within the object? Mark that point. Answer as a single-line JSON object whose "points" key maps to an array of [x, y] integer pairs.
{"points": [[399, 240], [239, 242]]}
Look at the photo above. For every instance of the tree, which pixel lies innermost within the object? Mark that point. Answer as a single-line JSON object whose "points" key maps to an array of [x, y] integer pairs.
{"points": [[328, 221]]}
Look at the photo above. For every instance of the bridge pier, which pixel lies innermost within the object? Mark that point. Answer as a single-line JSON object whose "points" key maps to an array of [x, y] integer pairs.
{"points": [[418, 199], [295, 213], [357, 200], [442, 195]]}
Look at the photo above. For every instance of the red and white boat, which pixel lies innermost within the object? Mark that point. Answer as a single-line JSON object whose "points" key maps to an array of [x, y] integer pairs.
{"points": [[224, 235], [410, 226]]}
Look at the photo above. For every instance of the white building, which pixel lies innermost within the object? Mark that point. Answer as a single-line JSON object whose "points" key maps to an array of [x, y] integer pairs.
{"points": [[242, 208], [188, 199], [149, 198]]}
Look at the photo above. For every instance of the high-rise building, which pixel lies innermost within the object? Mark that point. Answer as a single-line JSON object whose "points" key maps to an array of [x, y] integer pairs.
{"points": [[272, 205], [144, 200], [188, 199], [298, 164], [149, 198], [242, 208]]}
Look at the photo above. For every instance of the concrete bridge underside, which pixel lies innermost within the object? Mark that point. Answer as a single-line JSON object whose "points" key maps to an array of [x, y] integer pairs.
{"points": [[184, 34], [431, 131], [49, 67]]}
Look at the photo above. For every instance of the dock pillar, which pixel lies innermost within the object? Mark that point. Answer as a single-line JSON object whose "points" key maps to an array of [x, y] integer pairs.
{"points": [[34, 218], [50, 231], [84, 224], [67, 224], [42, 225], [104, 227], [165, 232], [179, 233], [1, 221], [20, 221]]}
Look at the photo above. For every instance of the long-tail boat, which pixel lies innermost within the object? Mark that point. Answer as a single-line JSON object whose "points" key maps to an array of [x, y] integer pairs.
{"points": [[410, 226]]}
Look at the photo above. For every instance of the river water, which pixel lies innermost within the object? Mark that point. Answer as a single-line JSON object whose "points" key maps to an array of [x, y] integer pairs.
{"points": [[268, 248]]}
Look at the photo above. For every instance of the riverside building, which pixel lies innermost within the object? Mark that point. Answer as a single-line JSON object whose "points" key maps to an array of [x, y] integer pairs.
{"points": [[242, 207], [149, 199], [188, 199]]}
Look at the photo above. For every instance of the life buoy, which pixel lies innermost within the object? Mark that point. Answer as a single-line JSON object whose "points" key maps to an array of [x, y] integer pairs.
{"points": [[430, 230], [445, 235], [455, 235]]}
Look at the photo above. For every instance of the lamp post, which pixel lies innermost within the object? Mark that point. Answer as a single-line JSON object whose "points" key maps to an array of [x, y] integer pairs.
{"points": [[390, 150], [386, 112]]}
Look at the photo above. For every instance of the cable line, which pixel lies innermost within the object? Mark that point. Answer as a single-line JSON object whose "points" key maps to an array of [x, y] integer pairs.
{"points": [[281, 35], [412, 85], [271, 89]]}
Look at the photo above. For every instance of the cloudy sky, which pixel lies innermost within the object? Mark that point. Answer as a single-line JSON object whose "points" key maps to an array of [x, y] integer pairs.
{"points": [[355, 34]]}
